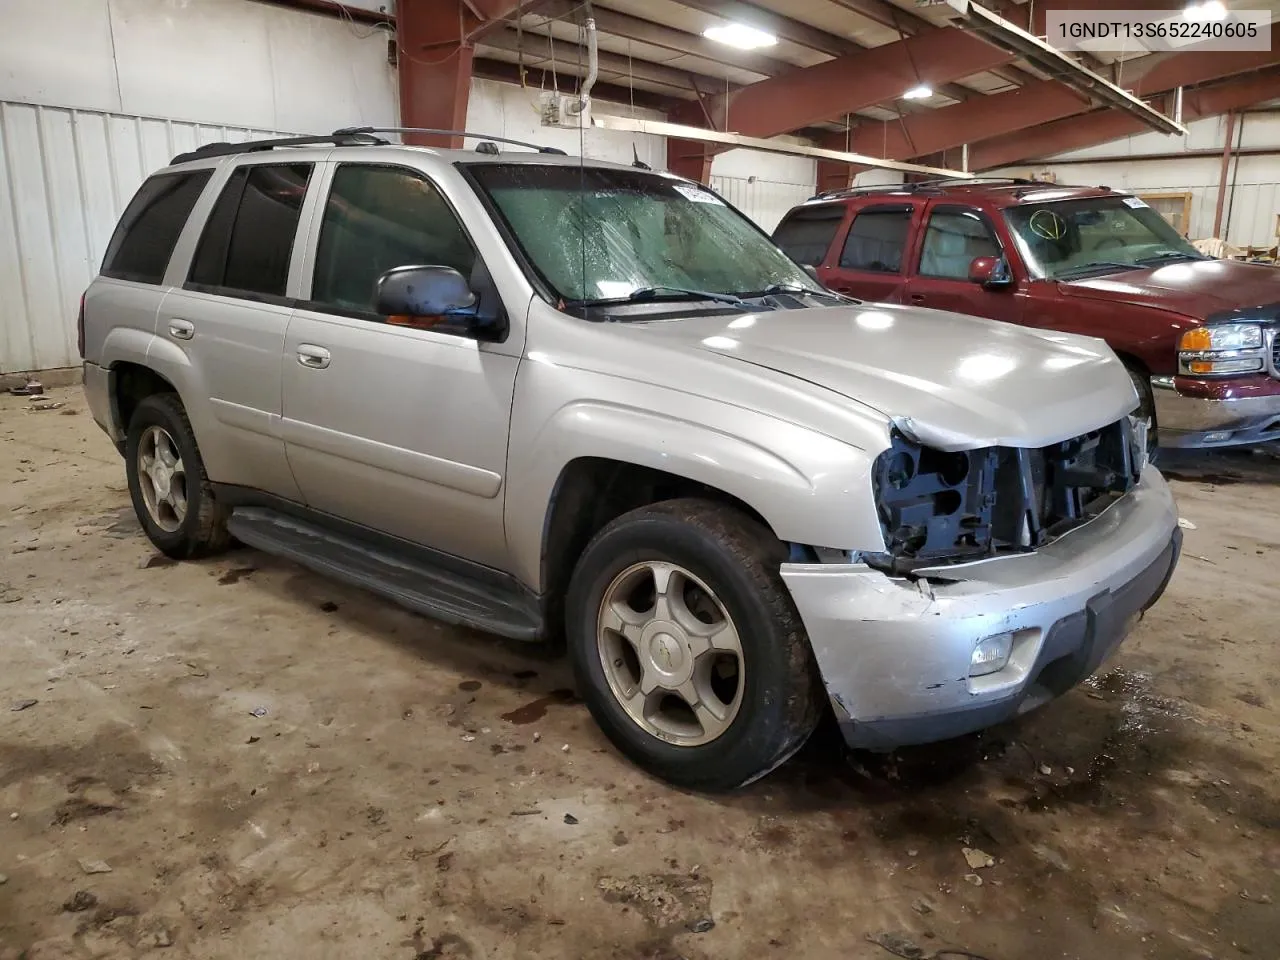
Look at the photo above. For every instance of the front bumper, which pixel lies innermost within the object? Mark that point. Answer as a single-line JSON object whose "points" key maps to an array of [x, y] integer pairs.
{"points": [[894, 654], [1186, 420]]}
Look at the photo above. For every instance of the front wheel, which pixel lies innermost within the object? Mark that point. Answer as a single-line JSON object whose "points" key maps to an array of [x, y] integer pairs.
{"points": [[686, 645]]}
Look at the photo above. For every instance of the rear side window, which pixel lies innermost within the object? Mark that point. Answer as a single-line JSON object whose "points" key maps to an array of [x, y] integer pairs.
{"points": [[876, 240], [248, 239], [806, 234], [147, 233]]}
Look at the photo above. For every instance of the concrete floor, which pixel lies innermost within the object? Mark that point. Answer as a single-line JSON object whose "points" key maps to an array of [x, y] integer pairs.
{"points": [[273, 765]]}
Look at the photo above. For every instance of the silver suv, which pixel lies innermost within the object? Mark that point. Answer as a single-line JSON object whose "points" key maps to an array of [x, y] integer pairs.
{"points": [[555, 398]]}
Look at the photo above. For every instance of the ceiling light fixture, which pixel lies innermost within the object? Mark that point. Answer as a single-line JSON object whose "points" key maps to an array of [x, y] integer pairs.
{"points": [[741, 36], [922, 92], [1212, 11]]}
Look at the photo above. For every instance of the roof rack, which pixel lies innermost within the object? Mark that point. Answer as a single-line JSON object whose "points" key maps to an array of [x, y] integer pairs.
{"points": [[921, 186], [485, 137], [339, 138], [352, 137]]}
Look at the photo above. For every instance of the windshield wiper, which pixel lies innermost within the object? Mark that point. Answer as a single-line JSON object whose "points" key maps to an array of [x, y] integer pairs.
{"points": [[1171, 255], [680, 293], [1083, 268], [795, 288]]}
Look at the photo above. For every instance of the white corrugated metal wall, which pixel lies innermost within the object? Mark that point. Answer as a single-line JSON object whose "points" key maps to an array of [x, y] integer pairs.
{"points": [[764, 201], [65, 177], [82, 120]]}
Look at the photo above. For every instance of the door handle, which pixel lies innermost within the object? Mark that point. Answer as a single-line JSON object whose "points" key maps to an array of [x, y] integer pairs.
{"points": [[182, 329], [309, 355], [917, 298]]}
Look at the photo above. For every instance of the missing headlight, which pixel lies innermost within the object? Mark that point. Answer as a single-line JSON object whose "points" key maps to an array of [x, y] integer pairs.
{"points": [[937, 507], [934, 504]]}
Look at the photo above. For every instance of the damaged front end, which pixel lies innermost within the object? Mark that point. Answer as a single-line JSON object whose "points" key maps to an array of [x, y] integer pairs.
{"points": [[941, 507], [1009, 575]]}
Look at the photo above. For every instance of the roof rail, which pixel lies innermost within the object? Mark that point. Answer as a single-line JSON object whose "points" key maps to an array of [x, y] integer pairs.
{"points": [[351, 131], [925, 185], [340, 138]]}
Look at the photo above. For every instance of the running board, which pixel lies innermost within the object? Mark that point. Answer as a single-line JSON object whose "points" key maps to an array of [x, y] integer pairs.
{"points": [[448, 595]]}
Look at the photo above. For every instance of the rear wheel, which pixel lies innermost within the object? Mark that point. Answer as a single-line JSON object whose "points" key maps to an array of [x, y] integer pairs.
{"points": [[170, 491], [686, 645]]}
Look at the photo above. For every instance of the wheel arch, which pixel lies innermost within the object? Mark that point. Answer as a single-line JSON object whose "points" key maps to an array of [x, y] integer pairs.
{"points": [[592, 491]]}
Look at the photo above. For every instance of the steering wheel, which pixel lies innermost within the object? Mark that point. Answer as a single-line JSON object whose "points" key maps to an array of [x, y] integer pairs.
{"points": [[1048, 224]]}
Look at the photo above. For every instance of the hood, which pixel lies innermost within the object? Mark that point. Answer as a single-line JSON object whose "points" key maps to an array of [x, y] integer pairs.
{"points": [[1195, 288], [952, 381]]}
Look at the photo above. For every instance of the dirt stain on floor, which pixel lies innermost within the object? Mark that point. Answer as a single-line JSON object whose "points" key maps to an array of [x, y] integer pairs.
{"points": [[537, 709]]}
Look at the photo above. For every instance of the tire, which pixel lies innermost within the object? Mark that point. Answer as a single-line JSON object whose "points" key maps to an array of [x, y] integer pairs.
{"points": [[1146, 407], [726, 565], [199, 529]]}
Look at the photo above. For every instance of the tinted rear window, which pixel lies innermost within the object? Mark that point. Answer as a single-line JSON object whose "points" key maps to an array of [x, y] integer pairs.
{"points": [[876, 240], [806, 234], [248, 239], [144, 240]]}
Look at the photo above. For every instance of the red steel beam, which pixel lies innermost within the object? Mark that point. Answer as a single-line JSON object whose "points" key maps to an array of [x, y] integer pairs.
{"points": [[963, 123], [846, 84], [1166, 71], [1085, 130], [1004, 113], [831, 89], [435, 56], [434, 67], [905, 22]]}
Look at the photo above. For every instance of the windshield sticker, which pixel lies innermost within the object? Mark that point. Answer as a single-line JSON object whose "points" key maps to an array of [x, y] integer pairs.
{"points": [[1134, 202], [695, 194]]}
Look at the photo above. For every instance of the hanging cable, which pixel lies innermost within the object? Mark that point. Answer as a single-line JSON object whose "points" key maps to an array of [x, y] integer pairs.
{"points": [[355, 30]]}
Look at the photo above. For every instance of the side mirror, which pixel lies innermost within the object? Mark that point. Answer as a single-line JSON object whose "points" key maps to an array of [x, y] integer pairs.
{"points": [[990, 272], [424, 292], [811, 270]]}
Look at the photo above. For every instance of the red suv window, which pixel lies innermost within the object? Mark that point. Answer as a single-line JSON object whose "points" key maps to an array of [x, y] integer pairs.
{"points": [[805, 234], [877, 239]]}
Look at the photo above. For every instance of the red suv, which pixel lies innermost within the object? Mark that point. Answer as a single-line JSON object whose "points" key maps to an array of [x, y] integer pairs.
{"points": [[1200, 336]]}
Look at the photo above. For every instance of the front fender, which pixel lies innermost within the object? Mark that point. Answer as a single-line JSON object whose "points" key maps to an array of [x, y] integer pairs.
{"points": [[809, 488]]}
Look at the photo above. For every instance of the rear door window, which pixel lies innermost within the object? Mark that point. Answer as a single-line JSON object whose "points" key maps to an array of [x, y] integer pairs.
{"points": [[877, 239], [248, 240], [805, 234], [147, 233]]}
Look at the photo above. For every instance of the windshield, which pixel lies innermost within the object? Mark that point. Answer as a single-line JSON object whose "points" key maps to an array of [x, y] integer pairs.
{"points": [[1071, 237], [596, 234]]}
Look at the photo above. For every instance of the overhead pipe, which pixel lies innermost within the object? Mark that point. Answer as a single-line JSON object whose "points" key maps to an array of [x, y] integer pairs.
{"points": [[593, 69]]}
